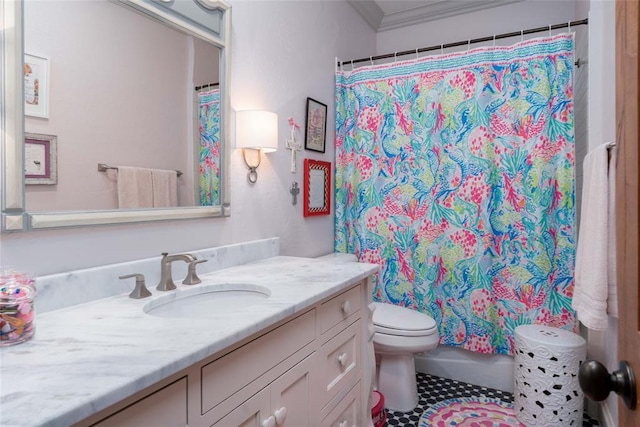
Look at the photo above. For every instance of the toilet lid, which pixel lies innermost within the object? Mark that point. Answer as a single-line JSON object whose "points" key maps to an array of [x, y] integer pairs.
{"points": [[395, 320]]}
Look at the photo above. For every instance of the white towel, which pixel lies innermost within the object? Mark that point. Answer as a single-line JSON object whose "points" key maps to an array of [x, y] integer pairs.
{"points": [[165, 188], [612, 298], [593, 255], [134, 188]]}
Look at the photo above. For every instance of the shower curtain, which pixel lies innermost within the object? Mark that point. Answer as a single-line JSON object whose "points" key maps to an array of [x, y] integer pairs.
{"points": [[455, 173], [209, 163]]}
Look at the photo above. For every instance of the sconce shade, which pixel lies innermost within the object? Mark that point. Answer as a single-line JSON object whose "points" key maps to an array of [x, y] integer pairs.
{"points": [[257, 130]]}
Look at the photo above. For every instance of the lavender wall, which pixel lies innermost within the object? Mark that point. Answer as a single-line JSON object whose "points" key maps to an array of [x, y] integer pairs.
{"points": [[279, 57], [603, 345], [497, 20], [133, 117]]}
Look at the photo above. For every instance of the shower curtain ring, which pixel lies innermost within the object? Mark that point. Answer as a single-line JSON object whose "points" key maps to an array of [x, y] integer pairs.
{"points": [[549, 30], [417, 56], [569, 25], [352, 65], [441, 49], [468, 45], [521, 35], [395, 56], [371, 59], [494, 40]]}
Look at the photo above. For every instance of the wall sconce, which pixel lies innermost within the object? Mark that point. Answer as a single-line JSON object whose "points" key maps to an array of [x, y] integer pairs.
{"points": [[256, 131]]}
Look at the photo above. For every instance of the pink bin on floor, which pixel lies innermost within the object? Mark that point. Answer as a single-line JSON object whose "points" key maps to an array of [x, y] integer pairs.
{"points": [[378, 415]]}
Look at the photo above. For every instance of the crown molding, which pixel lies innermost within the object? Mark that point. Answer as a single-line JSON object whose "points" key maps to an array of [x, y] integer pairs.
{"points": [[427, 11], [370, 11]]}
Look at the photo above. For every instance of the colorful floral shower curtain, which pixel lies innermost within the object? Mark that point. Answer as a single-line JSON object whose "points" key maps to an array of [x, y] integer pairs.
{"points": [[209, 175], [455, 173]]}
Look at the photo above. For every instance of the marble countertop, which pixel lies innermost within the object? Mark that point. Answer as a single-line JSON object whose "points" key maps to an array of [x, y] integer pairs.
{"points": [[87, 357]]}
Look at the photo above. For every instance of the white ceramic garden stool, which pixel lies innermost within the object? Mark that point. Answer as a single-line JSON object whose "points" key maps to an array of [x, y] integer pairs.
{"points": [[546, 391], [400, 333]]}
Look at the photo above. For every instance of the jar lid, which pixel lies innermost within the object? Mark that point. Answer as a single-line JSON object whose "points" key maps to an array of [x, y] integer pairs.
{"points": [[16, 286]]}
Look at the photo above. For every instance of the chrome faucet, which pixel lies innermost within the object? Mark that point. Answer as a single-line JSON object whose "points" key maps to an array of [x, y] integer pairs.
{"points": [[166, 281]]}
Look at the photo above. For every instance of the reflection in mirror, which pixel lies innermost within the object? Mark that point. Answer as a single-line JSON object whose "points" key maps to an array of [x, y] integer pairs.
{"points": [[124, 90], [209, 144]]}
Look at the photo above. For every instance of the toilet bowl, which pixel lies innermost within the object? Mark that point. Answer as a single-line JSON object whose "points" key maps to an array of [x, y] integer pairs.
{"points": [[400, 333]]}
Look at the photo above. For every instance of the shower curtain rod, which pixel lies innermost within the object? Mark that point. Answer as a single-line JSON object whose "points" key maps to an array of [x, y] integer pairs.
{"points": [[206, 86], [467, 42]]}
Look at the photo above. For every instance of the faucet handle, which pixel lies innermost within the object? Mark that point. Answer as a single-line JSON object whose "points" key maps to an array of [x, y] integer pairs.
{"points": [[140, 291], [192, 277]]}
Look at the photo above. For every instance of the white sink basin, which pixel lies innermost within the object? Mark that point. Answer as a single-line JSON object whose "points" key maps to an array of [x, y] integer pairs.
{"points": [[207, 300]]}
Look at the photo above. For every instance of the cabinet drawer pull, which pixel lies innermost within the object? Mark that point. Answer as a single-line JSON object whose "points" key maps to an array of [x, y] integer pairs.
{"points": [[346, 307], [269, 422], [343, 424], [342, 359], [281, 415]]}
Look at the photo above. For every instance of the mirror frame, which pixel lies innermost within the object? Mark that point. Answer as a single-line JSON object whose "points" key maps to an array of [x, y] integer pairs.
{"points": [[15, 217]]}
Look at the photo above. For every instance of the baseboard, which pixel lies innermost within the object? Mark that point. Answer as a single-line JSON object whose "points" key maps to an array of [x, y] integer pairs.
{"points": [[606, 417], [601, 412]]}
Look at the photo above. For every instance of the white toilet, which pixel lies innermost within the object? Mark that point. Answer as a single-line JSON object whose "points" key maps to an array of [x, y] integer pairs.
{"points": [[400, 333]]}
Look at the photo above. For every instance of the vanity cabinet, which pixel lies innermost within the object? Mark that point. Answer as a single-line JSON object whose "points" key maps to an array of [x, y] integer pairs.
{"points": [[288, 395], [164, 407], [270, 369], [307, 370], [347, 411]]}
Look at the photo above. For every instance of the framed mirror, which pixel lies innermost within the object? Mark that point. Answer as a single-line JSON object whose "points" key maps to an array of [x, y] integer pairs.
{"points": [[124, 84], [317, 188]]}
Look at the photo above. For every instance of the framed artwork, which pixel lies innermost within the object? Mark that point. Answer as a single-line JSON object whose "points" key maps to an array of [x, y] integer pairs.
{"points": [[317, 184], [316, 129], [36, 86], [40, 159]]}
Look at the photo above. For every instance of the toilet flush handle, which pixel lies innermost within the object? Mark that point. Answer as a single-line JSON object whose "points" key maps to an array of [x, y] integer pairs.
{"points": [[269, 422], [346, 307]]}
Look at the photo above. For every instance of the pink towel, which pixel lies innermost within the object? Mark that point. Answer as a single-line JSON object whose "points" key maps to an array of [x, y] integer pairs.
{"points": [[134, 188], [165, 188]]}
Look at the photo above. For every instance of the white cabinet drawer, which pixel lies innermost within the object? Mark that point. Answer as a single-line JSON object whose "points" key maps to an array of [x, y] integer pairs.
{"points": [[250, 413], [346, 412], [227, 375], [285, 401], [339, 308], [165, 407], [340, 359]]}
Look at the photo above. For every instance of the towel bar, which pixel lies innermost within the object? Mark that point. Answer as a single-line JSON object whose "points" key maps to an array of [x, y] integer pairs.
{"points": [[103, 167]]}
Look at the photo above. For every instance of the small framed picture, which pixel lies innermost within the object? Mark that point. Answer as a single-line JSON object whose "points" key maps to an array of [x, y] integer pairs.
{"points": [[316, 129], [40, 159], [317, 187], [36, 86]]}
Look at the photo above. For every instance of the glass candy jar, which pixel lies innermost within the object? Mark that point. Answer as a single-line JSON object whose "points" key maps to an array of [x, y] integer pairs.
{"points": [[17, 315]]}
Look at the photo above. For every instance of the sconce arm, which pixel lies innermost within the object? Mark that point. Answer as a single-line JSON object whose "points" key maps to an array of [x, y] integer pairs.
{"points": [[252, 175]]}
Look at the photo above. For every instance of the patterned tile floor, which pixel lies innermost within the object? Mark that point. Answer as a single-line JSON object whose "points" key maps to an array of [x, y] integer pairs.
{"points": [[432, 389]]}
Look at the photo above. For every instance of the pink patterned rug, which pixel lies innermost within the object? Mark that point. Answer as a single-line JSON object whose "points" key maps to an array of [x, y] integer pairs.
{"points": [[470, 411]]}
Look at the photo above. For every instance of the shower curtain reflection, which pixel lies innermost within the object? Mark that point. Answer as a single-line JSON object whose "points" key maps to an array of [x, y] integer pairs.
{"points": [[455, 173], [209, 163]]}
